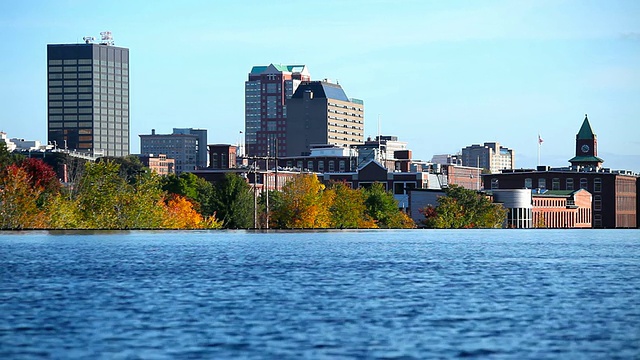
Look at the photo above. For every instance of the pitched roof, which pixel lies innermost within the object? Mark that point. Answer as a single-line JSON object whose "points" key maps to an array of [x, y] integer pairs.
{"points": [[321, 89], [582, 159], [585, 132]]}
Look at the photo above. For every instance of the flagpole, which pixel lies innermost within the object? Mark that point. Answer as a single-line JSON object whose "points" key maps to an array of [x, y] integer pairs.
{"points": [[539, 144]]}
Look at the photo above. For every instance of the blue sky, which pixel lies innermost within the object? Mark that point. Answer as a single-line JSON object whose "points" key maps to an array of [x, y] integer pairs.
{"points": [[440, 75]]}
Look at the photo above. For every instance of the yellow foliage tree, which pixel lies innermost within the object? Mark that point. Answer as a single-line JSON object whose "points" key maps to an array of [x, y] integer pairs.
{"points": [[303, 205]]}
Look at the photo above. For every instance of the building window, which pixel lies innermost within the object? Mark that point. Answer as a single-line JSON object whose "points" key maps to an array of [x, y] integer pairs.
{"points": [[331, 166], [542, 183], [310, 165], [342, 166], [214, 160], [583, 183], [299, 164], [528, 183], [569, 184], [597, 203], [555, 184], [494, 184], [597, 220], [321, 166], [597, 185]]}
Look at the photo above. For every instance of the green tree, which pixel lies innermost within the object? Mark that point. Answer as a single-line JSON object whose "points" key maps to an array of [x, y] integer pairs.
{"points": [[383, 208], [185, 184], [348, 209], [144, 206], [464, 208], [130, 166], [63, 213], [8, 158], [107, 201], [232, 202]]}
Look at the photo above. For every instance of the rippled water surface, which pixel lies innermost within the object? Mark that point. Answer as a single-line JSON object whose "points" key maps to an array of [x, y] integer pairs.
{"points": [[371, 294]]}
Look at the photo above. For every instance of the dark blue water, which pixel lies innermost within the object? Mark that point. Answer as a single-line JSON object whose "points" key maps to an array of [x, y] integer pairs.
{"points": [[332, 295]]}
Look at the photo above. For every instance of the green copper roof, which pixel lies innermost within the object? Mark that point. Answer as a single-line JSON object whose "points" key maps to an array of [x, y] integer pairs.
{"points": [[558, 193], [258, 69], [285, 68], [582, 159], [585, 130]]}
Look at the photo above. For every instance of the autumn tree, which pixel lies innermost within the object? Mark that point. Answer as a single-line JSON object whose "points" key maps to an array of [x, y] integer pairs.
{"points": [[199, 191], [19, 200], [303, 205], [41, 176], [464, 208], [348, 209]]}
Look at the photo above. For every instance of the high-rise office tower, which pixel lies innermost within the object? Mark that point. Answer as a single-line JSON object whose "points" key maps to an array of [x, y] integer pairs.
{"points": [[320, 113], [88, 97], [266, 93]]}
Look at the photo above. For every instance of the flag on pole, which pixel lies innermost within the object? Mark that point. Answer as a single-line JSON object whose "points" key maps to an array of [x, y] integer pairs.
{"points": [[540, 141]]}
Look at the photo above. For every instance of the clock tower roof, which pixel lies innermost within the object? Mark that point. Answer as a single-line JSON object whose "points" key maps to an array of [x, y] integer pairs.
{"points": [[586, 147], [585, 132]]}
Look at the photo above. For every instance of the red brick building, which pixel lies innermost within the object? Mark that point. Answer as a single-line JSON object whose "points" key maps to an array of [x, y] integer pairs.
{"points": [[159, 164], [614, 193], [562, 209]]}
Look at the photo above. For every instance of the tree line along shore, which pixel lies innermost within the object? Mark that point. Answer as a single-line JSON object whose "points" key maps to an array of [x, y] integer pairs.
{"points": [[120, 193]]}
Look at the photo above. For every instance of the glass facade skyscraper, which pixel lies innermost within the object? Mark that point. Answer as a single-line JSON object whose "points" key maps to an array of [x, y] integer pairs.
{"points": [[88, 98]]}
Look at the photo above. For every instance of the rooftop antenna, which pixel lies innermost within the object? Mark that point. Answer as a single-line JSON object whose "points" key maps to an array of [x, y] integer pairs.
{"points": [[106, 38], [379, 152]]}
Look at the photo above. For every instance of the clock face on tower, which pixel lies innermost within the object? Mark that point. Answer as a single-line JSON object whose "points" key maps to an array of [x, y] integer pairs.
{"points": [[585, 148]]}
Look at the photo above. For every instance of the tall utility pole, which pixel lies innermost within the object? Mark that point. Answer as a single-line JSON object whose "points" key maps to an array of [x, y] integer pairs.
{"points": [[255, 198], [266, 184]]}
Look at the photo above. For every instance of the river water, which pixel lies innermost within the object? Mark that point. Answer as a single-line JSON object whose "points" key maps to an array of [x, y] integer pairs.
{"points": [[412, 294]]}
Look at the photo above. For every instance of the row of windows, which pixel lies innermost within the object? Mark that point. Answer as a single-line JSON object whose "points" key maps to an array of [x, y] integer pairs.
{"points": [[569, 185], [345, 107], [344, 113], [104, 104], [88, 110], [96, 90], [342, 139], [104, 84], [71, 62], [109, 128], [116, 64], [89, 69], [310, 163], [71, 97]]}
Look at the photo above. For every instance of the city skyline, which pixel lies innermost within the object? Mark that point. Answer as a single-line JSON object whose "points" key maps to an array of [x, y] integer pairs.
{"points": [[439, 76]]}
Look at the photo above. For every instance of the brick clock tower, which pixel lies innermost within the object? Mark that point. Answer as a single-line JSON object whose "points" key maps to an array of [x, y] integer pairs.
{"points": [[586, 147]]}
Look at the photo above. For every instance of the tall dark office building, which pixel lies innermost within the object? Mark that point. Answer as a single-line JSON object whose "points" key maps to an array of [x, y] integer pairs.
{"points": [[88, 97], [266, 94]]}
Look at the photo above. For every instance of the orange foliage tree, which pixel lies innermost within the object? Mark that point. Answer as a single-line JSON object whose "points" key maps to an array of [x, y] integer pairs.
{"points": [[181, 214]]}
